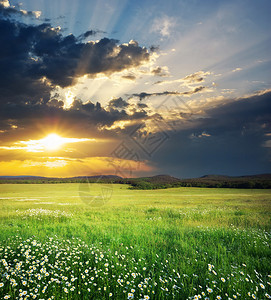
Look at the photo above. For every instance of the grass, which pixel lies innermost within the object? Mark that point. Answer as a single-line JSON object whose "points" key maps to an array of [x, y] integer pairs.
{"points": [[181, 243]]}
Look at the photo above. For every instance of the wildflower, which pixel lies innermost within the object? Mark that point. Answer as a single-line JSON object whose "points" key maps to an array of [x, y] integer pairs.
{"points": [[209, 290], [130, 296], [262, 286], [253, 296], [146, 297], [267, 296], [223, 279], [1, 284]]}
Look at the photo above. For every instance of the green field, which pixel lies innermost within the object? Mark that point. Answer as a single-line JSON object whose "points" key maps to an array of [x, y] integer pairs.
{"points": [[80, 241]]}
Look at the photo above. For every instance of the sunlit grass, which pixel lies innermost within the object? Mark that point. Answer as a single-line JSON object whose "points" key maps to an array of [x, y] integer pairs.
{"points": [[192, 242]]}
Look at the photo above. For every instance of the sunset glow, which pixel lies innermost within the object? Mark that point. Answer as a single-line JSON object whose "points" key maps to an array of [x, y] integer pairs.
{"points": [[183, 89], [52, 142]]}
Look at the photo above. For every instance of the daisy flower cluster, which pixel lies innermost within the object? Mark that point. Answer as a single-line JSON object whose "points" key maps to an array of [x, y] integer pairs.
{"points": [[40, 212], [238, 284], [72, 269]]}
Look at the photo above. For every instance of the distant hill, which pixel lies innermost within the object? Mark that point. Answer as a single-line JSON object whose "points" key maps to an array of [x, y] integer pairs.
{"points": [[215, 177], [259, 176], [225, 177], [96, 177], [23, 177], [160, 179], [156, 182], [210, 181], [224, 181]]}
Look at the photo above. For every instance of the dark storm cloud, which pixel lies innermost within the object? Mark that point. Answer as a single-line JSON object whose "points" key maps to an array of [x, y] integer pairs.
{"points": [[118, 103], [196, 90], [36, 59], [247, 114], [12, 10], [142, 105], [144, 95], [70, 60], [17, 82], [55, 103], [129, 77], [158, 71], [90, 33], [80, 118], [229, 140], [154, 48]]}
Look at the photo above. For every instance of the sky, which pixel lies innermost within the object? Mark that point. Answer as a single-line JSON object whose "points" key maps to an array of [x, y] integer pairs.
{"points": [[135, 88]]}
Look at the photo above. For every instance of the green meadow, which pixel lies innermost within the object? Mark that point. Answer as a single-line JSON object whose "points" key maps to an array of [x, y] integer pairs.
{"points": [[103, 241]]}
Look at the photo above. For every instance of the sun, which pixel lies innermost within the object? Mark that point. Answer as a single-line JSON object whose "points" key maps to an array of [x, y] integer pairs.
{"points": [[52, 142]]}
